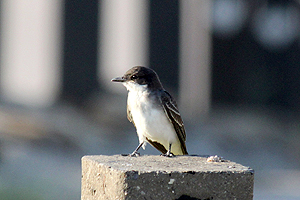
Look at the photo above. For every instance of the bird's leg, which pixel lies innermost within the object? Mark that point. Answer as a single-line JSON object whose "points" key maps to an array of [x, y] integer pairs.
{"points": [[135, 152], [169, 153]]}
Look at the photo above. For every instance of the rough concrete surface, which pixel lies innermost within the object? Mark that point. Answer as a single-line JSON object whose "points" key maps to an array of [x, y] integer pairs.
{"points": [[158, 177]]}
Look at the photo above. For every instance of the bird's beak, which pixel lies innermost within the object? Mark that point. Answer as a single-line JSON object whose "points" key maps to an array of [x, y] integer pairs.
{"points": [[118, 79]]}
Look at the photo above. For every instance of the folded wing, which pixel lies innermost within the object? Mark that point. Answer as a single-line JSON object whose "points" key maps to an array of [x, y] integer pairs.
{"points": [[170, 108]]}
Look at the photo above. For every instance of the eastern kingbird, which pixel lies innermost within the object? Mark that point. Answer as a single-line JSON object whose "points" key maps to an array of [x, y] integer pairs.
{"points": [[153, 112]]}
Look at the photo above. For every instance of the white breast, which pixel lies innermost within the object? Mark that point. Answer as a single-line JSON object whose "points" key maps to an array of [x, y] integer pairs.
{"points": [[150, 121]]}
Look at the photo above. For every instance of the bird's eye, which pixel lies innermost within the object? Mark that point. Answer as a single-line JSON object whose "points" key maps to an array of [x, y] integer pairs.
{"points": [[133, 77]]}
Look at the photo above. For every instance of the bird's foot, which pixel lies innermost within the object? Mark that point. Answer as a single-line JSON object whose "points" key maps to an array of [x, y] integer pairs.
{"points": [[134, 154], [168, 154]]}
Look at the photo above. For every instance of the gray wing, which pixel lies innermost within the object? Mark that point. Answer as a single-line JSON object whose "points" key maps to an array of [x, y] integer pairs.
{"points": [[170, 108], [129, 116]]}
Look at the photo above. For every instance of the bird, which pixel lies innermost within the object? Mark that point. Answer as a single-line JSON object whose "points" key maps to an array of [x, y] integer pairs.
{"points": [[153, 112]]}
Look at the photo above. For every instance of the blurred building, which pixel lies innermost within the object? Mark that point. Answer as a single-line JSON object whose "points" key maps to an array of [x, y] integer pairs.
{"points": [[252, 57]]}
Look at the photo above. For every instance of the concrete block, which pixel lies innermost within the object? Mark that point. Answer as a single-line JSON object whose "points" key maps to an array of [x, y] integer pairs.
{"points": [[158, 177]]}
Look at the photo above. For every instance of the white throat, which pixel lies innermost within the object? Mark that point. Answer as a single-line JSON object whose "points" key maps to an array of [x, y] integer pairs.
{"points": [[134, 87]]}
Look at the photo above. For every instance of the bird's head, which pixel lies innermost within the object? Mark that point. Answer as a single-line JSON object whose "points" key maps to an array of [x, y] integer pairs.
{"points": [[139, 76]]}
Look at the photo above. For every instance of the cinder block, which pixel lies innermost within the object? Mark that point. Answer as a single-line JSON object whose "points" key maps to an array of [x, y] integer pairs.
{"points": [[158, 177]]}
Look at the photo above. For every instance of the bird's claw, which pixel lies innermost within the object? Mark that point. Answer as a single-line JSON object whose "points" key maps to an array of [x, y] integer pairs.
{"points": [[168, 154], [134, 154]]}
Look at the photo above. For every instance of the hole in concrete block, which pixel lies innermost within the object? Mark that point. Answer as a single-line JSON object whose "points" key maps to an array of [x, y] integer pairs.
{"points": [[191, 172], [186, 197]]}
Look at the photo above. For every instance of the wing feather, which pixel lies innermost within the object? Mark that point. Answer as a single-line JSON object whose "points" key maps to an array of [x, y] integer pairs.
{"points": [[170, 108], [129, 116]]}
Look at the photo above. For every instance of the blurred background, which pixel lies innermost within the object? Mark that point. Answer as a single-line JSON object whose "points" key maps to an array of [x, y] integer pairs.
{"points": [[232, 65]]}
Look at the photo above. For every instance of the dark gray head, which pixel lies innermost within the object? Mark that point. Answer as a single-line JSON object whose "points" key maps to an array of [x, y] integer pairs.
{"points": [[140, 76]]}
